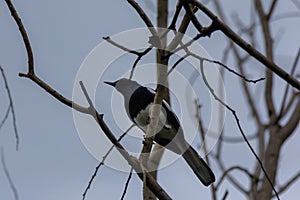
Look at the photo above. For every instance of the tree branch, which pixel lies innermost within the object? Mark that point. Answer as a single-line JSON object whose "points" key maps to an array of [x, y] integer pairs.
{"points": [[102, 163], [239, 126], [273, 5], [226, 172], [144, 17], [269, 53], [7, 174], [127, 184], [247, 47], [289, 183], [10, 108], [151, 183], [282, 107]]}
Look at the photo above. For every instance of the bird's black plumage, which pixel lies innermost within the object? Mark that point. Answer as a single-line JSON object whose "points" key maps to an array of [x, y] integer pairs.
{"points": [[141, 98], [138, 101]]}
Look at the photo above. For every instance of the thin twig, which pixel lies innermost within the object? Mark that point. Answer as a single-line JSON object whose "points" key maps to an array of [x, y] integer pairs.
{"points": [[138, 54], [231, 169], [225, 195], [8, 177], [193, 18], [202, 135], [234, 72], [151, 183], [271, 10], [177, 63], [144, 17], [102, 163], [207, 31], [109, 40], [181, 31], [138, 59], [11, 105], [296, 3], [172, 26], [5, 117], [237, 139], [24, 36], [233, 180], [268, 46], [127, 184], [239, 126], [282, 107], [289, 183], [189, 53], [219, 25], [290, 103]]}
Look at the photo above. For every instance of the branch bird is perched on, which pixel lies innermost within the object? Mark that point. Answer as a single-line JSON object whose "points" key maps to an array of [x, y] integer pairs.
{"points": [[138, 101]]}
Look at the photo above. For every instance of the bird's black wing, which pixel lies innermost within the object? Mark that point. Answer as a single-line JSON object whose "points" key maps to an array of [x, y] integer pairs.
{"points": [[139, 100]]}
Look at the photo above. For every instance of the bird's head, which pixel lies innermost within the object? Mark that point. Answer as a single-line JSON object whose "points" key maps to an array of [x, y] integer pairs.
{"points": [[124, 86]]}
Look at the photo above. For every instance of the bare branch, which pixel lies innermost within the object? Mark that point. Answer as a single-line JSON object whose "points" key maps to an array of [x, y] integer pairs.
{"points": [[182, 29], [12, 108], [237, 139], [177, 63], [144, 17], [189, 53], [286, 16], [127, 184], [202, 135], [139, 54], [207, 31], [172, 26], [247, 47], [226, 172], [282, 107], [5, 117], [151, 183], [271, 10], [289, 183], [8, 177], [290, 103], [193, 18], [102, 163], [239, 126], [24, 36], [249, 97], [229, 177], [269, 53], [292, 123], [138, 59], [296, 3], [107, 39], [225, 195], [234, 72]]}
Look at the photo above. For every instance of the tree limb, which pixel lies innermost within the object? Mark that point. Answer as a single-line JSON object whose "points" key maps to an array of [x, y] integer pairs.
{"points": [[247, 47]]}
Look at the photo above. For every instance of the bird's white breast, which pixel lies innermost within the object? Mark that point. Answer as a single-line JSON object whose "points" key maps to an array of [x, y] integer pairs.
{"points": [[143, 118]]}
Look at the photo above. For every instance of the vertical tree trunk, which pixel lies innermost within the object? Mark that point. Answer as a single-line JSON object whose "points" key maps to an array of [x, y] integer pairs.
{"points": [[162, 63], [271, 163]]}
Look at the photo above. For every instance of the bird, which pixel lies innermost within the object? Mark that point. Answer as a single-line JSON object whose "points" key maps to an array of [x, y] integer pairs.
{"points": [[138, 102]]}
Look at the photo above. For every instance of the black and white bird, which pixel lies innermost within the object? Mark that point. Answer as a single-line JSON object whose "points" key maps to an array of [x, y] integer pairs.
{"points": [[138, 101]]}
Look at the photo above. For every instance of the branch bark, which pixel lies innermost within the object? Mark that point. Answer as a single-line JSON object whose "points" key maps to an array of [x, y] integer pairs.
{"points": [[247, 47]]}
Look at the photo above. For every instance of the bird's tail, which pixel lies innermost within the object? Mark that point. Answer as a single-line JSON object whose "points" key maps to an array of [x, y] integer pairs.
{"points": [[200, 168]]}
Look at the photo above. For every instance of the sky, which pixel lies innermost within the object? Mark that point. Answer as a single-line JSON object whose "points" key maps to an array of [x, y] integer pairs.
{"points": [[52, 161]]}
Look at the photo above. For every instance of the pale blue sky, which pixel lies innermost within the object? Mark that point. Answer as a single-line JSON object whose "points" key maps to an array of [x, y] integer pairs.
{"points": [[52, 163]]}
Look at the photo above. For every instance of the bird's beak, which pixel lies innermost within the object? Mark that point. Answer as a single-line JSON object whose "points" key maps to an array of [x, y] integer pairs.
{"points": [[111, 83]]}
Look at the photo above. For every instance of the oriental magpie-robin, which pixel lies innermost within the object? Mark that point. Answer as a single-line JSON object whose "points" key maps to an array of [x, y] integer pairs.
{"points": [[138, 101]]}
